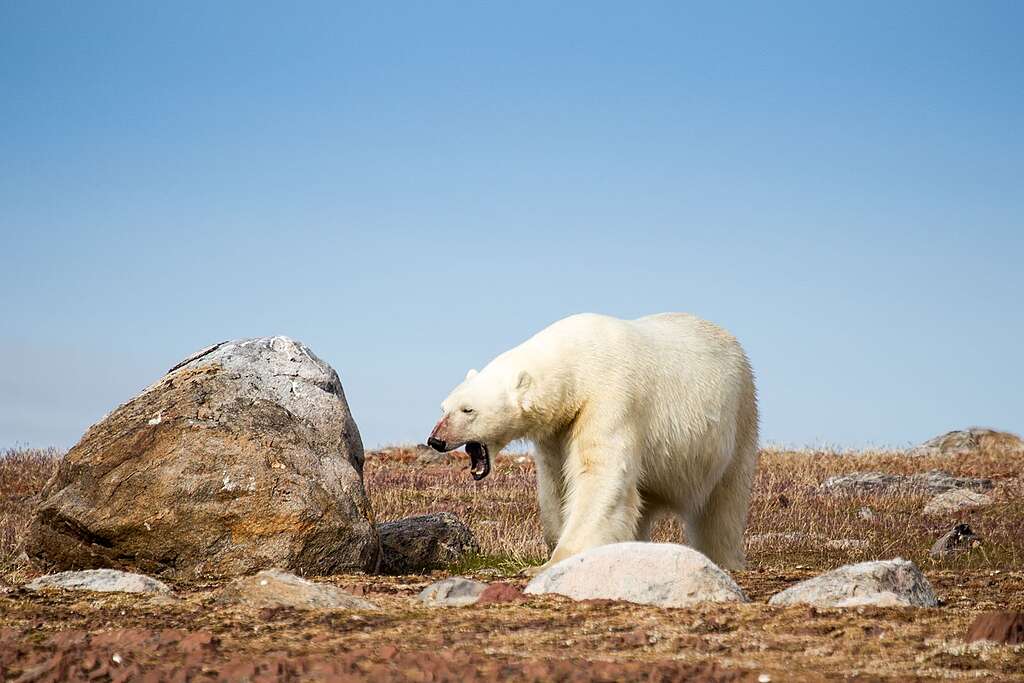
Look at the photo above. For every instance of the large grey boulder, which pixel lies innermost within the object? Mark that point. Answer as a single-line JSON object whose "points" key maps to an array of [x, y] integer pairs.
{"points": [[243, 456], [956, 500], [662, 574], [418, 544], [935, 481], [101, 581], [456, 591], [883, 583], [275, 588]]}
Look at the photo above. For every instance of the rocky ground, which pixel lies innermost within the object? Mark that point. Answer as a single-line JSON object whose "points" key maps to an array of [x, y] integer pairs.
{"points": [[802, 524]]}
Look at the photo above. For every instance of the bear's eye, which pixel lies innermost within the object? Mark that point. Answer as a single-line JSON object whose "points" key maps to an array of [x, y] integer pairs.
{"points": [[467, 410]]}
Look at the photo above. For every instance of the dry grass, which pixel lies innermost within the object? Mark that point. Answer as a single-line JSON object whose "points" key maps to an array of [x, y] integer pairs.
{"points": [[502, 509], [23, 472], [788, 643]]}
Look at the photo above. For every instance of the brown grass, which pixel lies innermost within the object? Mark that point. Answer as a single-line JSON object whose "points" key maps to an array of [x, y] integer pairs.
{"points": [[592, 639], [502, 509], [23, 471]]}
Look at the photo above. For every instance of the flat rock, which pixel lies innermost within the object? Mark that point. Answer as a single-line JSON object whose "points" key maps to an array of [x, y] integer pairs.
{"points": [[958, 539], [244, 456], [499, 592], [956, 500], [276, 588], [101, 581], [884, 583], [419, 544], [420, 454], [963, 442], [662, 574], [935, 481], [455, 591], [1000, 627], [790, 537]]}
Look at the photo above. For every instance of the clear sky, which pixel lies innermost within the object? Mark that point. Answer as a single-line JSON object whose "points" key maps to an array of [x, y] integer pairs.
{"points": [[412, 188]]}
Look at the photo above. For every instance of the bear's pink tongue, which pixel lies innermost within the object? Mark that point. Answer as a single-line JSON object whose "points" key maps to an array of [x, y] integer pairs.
{"points": [[479, 460]]}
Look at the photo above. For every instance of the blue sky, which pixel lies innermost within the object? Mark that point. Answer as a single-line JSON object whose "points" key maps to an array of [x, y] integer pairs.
{"points": [[411, 188]]}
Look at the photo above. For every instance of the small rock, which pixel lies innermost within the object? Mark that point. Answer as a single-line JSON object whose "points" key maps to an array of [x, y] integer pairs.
{"points": [[935, 481], [787, 538], [418, 544], [662, 574], [959, 538], [421, 454], [1001, 627], [455, 591], [966, 441], [100, 580], [275, 588], [846, 543], [885, 583], [772, 537], [956, 500], [425, 455], [500, 592]]}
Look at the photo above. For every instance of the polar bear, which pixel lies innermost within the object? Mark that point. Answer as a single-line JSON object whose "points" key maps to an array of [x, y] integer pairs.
{"points": [[630, 420]]}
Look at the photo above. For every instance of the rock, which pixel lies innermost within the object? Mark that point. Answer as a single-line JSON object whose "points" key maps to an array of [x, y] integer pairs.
{"points": [[276, 588], [935, 481], [846, 543], [958, 539], [499, 592], [244, 456], [956, 500], [787, 538], [101, 581], [418, 544], [662, 574], [777, 537], [1001, 627], [883, 599], [425, 455], [452, 592], [966, 441], [883, 583], [420, 454]]}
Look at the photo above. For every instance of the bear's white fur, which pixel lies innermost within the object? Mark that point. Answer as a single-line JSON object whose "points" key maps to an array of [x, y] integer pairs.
{"points": [[630, 419]]}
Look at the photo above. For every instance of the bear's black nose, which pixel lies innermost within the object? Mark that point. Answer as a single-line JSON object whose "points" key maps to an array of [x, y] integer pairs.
{"points": [[437, 444]]}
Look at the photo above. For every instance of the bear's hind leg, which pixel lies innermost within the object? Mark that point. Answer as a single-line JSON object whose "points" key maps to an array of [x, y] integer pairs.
{"points": [[717, 529]]}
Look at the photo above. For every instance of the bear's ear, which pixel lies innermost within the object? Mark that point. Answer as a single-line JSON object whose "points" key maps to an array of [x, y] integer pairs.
{"points": [[471, 374], [522, 389]]}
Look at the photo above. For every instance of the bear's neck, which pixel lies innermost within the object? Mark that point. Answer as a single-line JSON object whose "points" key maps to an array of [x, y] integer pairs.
{"points": [[555, 395]]}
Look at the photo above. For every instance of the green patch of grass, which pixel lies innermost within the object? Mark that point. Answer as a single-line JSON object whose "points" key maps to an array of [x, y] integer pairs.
{"points": [[504, 565]]}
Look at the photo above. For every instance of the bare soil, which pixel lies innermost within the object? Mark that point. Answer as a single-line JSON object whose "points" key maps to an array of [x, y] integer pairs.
{"points": [[91, 636]]}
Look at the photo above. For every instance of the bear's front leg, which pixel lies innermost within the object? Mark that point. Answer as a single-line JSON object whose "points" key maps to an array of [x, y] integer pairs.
{"points": [[604, 504], [550, 492]]}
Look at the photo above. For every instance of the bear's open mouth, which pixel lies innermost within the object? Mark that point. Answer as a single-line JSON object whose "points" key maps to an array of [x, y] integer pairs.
{"points": [[479, 460]]}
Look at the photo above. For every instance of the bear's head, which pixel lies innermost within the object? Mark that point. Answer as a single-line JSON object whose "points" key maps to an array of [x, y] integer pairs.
{"points": [[484, 413]]}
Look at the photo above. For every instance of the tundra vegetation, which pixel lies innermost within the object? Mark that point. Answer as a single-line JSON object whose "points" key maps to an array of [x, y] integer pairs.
{"points": [[797, 530]]}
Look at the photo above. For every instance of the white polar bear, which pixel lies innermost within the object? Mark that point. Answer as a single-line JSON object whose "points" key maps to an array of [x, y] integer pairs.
{"points": [[630, 419]]}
